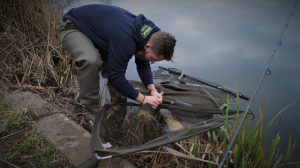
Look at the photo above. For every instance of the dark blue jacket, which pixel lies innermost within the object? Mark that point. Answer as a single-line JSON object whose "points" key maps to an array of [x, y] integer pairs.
{"points": [[118, 34]]}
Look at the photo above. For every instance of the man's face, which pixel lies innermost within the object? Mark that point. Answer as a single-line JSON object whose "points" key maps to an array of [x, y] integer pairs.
{"points": [[151, 56]]}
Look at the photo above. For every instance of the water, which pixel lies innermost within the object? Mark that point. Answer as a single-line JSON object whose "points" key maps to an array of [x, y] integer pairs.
{"points": [[230, 42]]}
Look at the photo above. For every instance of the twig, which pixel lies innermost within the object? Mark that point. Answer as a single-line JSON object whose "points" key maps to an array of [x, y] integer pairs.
{"points": [[17, 80], [181, 147], [160, 152], [15, 166], [32, 88], [206, 149], [148, 151], [179, 154], [6, 136], [296, 163]]}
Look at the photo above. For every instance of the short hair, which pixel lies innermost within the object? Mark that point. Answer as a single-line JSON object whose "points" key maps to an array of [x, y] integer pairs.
{"points": [[163, 44]]}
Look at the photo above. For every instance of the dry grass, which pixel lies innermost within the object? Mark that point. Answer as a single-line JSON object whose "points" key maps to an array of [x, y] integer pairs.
{"points": [[196, 151], [158, 158], [140, 127], [31, 54], [31, 58]]}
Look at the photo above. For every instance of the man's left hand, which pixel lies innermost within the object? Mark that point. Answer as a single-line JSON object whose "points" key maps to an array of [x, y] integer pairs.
{"points": [[157, 95]]}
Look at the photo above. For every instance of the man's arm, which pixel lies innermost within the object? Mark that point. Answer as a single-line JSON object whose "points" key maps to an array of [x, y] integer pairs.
{"points": [[152, 90], [144, 71], [119, 55], [121, 50], [151, 87]]}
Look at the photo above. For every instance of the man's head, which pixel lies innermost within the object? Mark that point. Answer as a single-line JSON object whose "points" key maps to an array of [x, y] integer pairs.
{"points": [[160, 47]]}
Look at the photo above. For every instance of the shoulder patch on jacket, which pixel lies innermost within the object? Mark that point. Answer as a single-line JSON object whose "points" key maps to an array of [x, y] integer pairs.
{"points": [[145, 30]]}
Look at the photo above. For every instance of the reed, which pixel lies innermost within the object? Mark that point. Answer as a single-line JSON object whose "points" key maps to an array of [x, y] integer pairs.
{"points": [[31, 54], [31, 58], [250, 148]]}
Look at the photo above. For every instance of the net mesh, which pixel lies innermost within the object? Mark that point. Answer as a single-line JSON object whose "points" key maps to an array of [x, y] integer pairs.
{"points": [[189, 107]]}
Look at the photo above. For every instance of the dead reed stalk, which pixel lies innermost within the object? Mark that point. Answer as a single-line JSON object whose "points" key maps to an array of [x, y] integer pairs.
{"points": [[30, 51]]}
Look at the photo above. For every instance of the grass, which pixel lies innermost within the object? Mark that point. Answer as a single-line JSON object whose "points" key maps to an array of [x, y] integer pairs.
{"points": [[249, 150], [21, 145]]}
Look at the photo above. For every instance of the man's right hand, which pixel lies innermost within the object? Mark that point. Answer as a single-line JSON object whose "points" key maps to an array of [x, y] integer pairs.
{"points": [[153, 101]]}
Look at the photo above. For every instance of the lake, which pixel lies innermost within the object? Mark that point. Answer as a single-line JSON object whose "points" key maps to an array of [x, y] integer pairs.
{"points": [[230, 42]]}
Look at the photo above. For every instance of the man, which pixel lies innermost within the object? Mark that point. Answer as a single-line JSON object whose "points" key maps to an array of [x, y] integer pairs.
{"points": [[104, 38]]}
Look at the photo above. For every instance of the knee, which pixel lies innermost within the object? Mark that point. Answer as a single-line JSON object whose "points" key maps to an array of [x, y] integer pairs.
{"points": [[91, 61]]}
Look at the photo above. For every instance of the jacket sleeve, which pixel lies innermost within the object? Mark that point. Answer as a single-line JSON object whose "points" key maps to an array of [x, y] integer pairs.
{"points": [[144, 71], [121, 49]]}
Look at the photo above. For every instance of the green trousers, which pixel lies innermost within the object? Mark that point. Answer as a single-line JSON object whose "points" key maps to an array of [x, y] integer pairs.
{"points": [[88, 63]]}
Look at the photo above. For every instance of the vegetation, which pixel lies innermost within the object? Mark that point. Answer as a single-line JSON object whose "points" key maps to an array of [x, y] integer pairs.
{"points": [[21, 145], [31, 54], [139, 127], [32, 58], [250, 148]]}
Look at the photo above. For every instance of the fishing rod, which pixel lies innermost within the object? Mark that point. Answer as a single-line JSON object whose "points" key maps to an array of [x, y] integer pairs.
{"points": [[208, 83], [266, 71]]}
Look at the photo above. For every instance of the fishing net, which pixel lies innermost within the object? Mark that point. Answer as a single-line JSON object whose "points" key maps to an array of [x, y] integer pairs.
{"points": [[190, 106]]}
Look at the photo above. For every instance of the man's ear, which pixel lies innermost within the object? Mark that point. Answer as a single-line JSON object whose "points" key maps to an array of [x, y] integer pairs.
{"points": [[148, 45]]}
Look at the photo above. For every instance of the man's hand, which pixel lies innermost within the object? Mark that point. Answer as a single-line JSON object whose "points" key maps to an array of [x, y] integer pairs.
{"points": [[153, 101], [157, 95]]}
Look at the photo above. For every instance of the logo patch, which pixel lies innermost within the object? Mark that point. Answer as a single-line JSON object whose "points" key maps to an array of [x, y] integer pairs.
{"points": [[145, 30]]}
